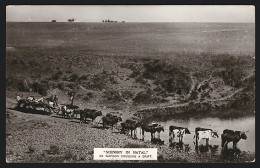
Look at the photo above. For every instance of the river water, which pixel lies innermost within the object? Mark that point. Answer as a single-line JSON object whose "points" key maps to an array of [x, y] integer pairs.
{"points": [[241, 124]]}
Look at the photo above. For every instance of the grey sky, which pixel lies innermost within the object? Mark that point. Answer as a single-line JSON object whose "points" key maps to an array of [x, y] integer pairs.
{"points": [[132, 13]]}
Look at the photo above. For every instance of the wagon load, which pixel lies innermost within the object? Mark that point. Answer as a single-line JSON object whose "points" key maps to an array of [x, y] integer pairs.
{"points": [[32, 104]]}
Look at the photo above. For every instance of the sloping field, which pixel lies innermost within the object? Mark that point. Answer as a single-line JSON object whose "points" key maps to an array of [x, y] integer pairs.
{"points": [[117, 63]]}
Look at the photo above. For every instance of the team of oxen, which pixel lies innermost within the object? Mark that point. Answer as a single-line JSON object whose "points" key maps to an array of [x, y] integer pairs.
{"points": [[129, 126]]}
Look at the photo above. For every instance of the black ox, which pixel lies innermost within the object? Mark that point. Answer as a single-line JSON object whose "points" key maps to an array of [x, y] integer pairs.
{"points": [[232, 136], [89, 113], [130, 125]]}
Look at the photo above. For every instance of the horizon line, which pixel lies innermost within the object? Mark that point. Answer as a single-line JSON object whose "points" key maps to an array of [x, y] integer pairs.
{"points": [[124, 22]]}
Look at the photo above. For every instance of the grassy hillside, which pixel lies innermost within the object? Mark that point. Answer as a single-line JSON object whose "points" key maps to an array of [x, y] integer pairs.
{"points": [[133, 65]]}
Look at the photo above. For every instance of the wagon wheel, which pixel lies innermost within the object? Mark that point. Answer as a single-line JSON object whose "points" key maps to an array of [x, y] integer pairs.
{"points": [[56, 110], [19, 105], [47, 110]]}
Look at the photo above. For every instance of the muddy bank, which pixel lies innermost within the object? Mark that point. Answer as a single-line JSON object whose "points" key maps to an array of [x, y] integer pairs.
{"points": [[220, 109]]}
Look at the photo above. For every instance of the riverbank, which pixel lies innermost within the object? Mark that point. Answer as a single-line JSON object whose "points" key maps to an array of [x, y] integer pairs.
{"points": [[220, 109], [41, 138]]}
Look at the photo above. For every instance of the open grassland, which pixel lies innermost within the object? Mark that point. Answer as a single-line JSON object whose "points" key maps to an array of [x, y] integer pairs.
{"points": [[134, 39]]}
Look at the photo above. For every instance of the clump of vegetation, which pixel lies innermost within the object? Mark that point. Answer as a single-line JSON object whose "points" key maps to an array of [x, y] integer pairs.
{"points": [[54, 150], [83, 77], [234, 69], [26, 85], [176, 159], [127, 94], [96, 82], [147, 97], [57, 75], [135, 145], [193, 95], [73, 78], [88, 96], [69, 156], [135, 73], [113, 96], [167, 75], [16, 83], [31, 149]]}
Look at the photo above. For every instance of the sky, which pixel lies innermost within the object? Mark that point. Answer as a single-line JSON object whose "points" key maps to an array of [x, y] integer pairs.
{"points": [[131, 13]]}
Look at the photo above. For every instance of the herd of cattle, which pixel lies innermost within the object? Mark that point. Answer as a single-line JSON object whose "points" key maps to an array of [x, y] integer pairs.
{"points": [[176, 134]]}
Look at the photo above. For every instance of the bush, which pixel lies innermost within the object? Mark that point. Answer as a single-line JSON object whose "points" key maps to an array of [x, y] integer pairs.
{"points": [[127, 94], [61, 86], [57, 75], [141, 80], [113, 96], [69, 156], [40, 88], [193, 95], [171, 77], [134, 145], [54, 150], [83, 77], [31, 149], [134, 74], [88, 97], [147, 97], [73, 78]]}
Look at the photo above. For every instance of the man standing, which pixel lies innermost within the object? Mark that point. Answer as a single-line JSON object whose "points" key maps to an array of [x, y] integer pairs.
{"points": [[55, 100], [18, 97], [71, 98]]}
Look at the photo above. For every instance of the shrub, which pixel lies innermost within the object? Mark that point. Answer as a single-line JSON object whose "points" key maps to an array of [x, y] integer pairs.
{"points": [[127, 94], [57, 75], [134, 74], [73, 78], [31, 149], [113, 96], [193, 95], [171, 77], [61, 86], [54, 150], [68, 155], [147, 97], [83, 77], [88, 97], [141, 80], [135, 145]]}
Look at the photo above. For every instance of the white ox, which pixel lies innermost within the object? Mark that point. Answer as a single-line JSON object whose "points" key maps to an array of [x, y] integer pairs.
{"points": [[178, 133], [207, 135]]}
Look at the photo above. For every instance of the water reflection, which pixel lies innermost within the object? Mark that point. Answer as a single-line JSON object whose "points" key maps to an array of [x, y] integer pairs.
{"points": [[210, 149], [157, 141], [179, 146], [242, 124], [230, 153]]}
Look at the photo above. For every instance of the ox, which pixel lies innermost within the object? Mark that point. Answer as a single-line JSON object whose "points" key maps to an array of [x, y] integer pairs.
{"points": [[89, 113], [204, 133], [152, 128], [232, 136], [177, 133], [111, 120], [130, 125], [66, 111]]}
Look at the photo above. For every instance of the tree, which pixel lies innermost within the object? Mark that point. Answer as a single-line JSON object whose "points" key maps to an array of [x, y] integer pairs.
{"points": [[71, 20]]}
